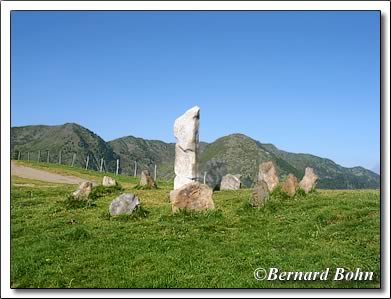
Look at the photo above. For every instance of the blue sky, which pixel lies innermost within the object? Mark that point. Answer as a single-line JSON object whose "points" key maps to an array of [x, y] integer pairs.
{"points": [[305, 81]]}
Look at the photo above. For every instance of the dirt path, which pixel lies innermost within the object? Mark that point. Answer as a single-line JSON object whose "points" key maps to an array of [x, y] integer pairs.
{"points": [[42, 175]]}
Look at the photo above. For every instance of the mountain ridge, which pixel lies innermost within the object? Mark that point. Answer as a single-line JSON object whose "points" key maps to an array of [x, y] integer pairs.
{"points": [[233, 153]]}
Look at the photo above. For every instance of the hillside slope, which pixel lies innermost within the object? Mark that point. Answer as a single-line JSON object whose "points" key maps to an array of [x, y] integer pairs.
{"points": [[147, 153], [69, 138], [235, 153]]}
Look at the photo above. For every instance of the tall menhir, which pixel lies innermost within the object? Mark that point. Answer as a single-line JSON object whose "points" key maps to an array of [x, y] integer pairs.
{"points": [[186, 149]]}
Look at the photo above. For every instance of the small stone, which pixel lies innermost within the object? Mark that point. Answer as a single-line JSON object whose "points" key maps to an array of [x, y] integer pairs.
{"points": [[290, 185], [230, 182], [308, 182], [124, 204], [147, 181], [260, 194], [268, 173], [108, 181], [192, 196], [84, 190]]}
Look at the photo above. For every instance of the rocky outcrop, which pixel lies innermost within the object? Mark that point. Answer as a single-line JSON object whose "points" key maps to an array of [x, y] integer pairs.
{"points": [[290, 185], [308, 183], [192, 196], [230, 182], [146, 181], [108, 182], [268, 173], [83, 191], [260, 195], [124, 204]]}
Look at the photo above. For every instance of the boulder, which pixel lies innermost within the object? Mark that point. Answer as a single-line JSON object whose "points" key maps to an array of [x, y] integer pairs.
{"points": [[84, 190], [268, 173], [146, 180], [230, 182], [124, 204], [308, 182], [260, 194], [186, 149], [192, 196], [290, 185], [108, 181]]}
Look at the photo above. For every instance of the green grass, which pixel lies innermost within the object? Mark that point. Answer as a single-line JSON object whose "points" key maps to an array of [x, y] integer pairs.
{"points": [[124, 180], [57, 246]]}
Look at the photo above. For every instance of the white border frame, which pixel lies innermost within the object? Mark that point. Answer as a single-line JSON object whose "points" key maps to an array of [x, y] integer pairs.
{"points": [[7, 6]]}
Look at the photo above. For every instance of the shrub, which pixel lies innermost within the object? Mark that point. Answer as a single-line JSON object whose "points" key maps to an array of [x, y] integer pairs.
{"points": [[72, 202], [100, 191], [277, 193]]}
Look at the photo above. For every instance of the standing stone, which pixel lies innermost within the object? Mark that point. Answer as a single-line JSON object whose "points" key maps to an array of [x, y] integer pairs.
{"points": [[124, 204], [186, 148], [108, 181], [268, 173], [84, 190], [192, 196], [230, 182], [146, 180], [260, 194], [290, 185], [308, 182]]}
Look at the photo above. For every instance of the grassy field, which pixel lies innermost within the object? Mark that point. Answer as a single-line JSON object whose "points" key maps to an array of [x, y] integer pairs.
{"points": [[54, 245]]}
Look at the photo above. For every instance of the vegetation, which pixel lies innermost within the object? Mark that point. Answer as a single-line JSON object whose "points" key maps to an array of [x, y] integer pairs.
{"points": [[57, 246], [235, 154], [69, 138]]}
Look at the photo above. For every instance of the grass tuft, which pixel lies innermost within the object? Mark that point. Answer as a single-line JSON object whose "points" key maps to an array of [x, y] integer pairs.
{"points": [[101, 191]]}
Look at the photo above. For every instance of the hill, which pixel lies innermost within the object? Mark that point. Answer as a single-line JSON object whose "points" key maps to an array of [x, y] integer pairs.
{"points": [[236, 154], [69, 138], [147, 153]]}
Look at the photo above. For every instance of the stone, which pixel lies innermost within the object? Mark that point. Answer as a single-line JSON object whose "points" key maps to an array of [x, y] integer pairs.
{"points": [[186, 149], [147, 181], [230, 182], [124, 204], [192, 196], [83, 191], [215, 170], [290, 185], [308, 182], [268, 173], [260, 194], [108, 181]]}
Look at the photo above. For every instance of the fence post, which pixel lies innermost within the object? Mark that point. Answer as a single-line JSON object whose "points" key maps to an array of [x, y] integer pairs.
{"points": [[154, 176], [135, 168], [73, 159], [59, 157], [18, 155], [28, 156], [101, 165], [204, 177], [116, 172], [88, 159], [48, 157], [39, 156]]}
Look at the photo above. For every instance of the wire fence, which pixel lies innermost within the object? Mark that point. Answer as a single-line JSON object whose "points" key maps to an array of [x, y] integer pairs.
{"points": [[211, 174], [88, 162]]}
